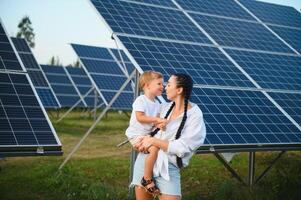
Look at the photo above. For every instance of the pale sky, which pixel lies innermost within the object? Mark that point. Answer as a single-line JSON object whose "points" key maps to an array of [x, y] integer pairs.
{"points": [[57, 23]]}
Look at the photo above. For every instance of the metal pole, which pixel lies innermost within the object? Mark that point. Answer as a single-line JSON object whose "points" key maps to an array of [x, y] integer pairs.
{"points": [[95, 104], [98, 119], [70, 109], [251, 168], [229, 168], [133, 152], [268, 168]]}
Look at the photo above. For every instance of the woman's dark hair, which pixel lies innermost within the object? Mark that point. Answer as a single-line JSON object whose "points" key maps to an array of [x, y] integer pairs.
{"points": [[184, 81]]}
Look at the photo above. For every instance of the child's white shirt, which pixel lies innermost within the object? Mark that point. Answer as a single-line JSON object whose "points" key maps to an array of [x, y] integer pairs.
{"points": [[150, 109]]}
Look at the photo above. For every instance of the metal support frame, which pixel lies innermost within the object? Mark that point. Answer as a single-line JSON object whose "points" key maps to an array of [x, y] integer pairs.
{"points": [[95, 104], [98, 119], [70, 109], [251, 168], [133, 152]]}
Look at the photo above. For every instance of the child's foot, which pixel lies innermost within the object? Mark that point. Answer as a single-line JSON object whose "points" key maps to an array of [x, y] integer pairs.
{"points": [[150, 186]]}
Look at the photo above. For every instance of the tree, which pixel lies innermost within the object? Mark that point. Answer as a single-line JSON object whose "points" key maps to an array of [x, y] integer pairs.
{"points": [[55, 61], [26, 31], [76, 63]]}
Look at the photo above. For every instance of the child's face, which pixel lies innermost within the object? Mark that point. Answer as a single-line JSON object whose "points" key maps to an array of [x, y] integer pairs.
{"points": [[155, 87]]}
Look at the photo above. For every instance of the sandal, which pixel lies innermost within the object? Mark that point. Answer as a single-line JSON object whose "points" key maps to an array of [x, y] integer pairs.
{"points": [[150, 186]]}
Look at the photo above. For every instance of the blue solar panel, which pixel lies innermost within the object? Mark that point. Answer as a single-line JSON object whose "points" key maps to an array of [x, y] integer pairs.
{"points": [[227, 8], [83, 84], [62, 86], [24, 126], [123, 59], [166, 3], [243, 118], [290, 35], [21, 45], [272, 71], [35, 73], [107, 75], [8, 59], [47, 97], [132, 18], [234, 33], [275, 14], [290, 102], [22, 120], [206, 65], [236, 117]]}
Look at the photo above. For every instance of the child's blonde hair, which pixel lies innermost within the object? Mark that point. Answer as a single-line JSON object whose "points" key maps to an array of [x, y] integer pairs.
{"points": [[147, 77]]}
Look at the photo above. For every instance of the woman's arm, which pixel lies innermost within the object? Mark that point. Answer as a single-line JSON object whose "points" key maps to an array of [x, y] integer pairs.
{"points": [[192, 137], [147, 141]]}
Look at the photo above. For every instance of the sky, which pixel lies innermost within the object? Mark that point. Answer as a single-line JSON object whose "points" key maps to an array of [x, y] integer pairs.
{"points": [[57, 23]]}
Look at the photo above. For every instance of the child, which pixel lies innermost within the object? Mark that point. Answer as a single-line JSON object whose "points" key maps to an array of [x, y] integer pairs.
{"points": [[143, 120]]}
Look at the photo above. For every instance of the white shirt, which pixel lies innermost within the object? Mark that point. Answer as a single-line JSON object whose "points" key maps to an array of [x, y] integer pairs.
{"points": [[150, 109], [192, 137]]}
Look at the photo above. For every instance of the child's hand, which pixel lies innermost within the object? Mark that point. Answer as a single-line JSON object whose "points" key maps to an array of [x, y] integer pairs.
{"points": [[161, 124]]}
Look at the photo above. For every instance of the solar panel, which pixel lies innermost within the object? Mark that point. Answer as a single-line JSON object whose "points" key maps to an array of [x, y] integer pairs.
{"points": [[83, 84], [227, 8], [166, 3], [272, 71], [290, 102], [149, 21], [235, 33], [35, 73], [291, 35], [274, 14], [24, 126], [8, 59], [243, 118], [62, 86], [207, 65], [106, 73], [228, 74]]}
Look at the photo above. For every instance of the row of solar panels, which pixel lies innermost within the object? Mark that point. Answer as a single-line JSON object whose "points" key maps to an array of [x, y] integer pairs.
{"points": [[27, 87], [243, 55], [93, 85]]}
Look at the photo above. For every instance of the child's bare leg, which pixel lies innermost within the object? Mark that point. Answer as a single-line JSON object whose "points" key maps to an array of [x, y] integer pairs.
{"points": [[150, 162]]}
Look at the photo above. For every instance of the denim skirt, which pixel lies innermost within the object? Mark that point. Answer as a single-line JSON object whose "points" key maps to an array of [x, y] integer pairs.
{"points": [[171, 187]]}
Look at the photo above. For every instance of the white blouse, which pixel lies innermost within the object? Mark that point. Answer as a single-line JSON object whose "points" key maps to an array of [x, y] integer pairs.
{"points": [[192, 137]]}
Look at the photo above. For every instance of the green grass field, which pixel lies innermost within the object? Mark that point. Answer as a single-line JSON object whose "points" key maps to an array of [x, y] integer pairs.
{"points": [[99, 170]]}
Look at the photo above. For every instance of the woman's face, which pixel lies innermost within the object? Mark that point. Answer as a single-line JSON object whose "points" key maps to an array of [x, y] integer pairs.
{"points": [[171, 89]]}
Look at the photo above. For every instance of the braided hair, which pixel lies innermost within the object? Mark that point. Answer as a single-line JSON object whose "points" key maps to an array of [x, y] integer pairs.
{"points": [[184, 81]]}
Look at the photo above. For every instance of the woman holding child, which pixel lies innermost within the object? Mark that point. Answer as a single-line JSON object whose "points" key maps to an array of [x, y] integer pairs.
{"points": [[180, 132]]}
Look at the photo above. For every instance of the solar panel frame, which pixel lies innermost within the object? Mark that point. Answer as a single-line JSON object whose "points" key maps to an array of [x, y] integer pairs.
{"points": [[83, 86], [20, 93], [240, 34], [96, 76], [63, 87], [155, 18], [291, 35], [215, 148], [282, 15], [36, 74]]}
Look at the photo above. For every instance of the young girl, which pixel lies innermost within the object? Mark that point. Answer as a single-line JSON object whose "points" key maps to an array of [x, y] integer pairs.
{"points": [[144, 119]]}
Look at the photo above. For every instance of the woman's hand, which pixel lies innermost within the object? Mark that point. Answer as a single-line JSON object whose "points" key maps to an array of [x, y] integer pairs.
{"points": [[144, 144]]}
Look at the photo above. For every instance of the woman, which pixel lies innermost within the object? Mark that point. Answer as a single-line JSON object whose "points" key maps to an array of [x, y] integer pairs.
{"points": [[182, 136]]}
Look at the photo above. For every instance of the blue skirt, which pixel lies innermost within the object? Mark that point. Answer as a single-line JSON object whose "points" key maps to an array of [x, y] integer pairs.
{"points": [[171, 187]]}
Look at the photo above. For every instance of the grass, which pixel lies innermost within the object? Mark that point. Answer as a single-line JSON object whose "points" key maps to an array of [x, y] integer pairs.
{"points": [[99, 170]]}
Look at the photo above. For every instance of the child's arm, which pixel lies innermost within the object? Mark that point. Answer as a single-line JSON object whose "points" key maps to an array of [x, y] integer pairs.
{"points": [[142, 118]]}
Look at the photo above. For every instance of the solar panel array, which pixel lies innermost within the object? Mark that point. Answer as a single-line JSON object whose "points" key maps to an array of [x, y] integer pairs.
{"points": [[246, 71], [106, 71], [36, 74], [24, 126], [62, 85], [84, 85]]}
